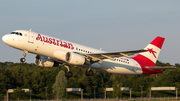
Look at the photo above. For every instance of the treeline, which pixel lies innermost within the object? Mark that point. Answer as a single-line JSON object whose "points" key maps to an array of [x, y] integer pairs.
{"points": [[23, 75]]}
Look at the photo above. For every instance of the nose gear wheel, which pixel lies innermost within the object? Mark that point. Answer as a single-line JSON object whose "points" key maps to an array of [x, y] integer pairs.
{"points": [[22, 59], [24, 55]]}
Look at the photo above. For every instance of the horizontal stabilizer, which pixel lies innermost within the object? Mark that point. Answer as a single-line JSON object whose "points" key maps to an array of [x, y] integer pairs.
{"points": [[158, 67]]}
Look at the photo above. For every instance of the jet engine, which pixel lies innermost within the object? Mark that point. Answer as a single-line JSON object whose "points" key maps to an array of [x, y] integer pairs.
{"points": [[45, 61], [71, 58], [76, 59]]}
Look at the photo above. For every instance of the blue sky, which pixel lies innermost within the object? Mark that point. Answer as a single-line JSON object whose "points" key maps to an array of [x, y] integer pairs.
{"points": [[113, 25]]}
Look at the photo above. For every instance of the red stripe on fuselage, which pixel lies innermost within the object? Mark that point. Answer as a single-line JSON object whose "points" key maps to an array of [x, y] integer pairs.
{"points": [[148, 71], [144, 59], [144, 62]]}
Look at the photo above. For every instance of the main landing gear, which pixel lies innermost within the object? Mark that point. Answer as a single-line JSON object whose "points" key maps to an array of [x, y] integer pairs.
{"points": [[68, 73], [89, 72], [24, 55]]}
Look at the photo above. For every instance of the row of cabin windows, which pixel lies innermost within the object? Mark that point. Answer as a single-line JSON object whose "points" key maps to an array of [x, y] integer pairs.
{"points": [[122, 60], [83, 50], [17, 33]]}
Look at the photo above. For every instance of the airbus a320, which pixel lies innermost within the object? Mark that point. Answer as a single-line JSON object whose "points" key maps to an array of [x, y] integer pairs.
{"points": [[53, 51]]}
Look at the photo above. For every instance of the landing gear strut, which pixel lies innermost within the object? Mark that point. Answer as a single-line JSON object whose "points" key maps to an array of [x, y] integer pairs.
{"points": [[24, 55], [89, 72], [68, 73]]}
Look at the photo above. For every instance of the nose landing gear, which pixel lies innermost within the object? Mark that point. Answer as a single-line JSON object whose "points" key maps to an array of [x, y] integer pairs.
{"points": [[24, 55], [22, 59]]}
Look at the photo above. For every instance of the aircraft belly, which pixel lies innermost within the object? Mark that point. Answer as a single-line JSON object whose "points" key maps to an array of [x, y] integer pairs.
{"points": [[119, 68]]}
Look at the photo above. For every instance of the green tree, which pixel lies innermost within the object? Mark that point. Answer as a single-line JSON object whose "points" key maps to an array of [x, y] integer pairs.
{"points": [[59, 87], [72, 82], [5, 80], [18, 94], [117, 90], [177, 65]]}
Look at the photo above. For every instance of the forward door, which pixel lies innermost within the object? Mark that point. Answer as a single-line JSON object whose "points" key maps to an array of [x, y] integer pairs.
{"points": [[31, 37]]}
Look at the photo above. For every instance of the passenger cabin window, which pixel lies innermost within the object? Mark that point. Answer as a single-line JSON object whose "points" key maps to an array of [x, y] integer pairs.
{"points": [[17, 33]]}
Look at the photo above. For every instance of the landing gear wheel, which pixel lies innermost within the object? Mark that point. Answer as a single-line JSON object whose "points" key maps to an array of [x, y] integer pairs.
{"points": [[66, 74], [24, 55], [69, 74], [22, 59], [89, 73]]}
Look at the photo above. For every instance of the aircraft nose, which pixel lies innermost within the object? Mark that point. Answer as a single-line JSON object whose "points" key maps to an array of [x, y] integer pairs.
{"points": [[5, 38]]}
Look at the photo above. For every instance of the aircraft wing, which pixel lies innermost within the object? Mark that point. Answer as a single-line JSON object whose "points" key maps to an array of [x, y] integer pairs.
{"points": [[110, 55], [159, 67]]}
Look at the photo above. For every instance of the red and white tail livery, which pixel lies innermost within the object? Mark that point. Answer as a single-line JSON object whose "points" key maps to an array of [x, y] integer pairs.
{"points": [[69, 53], [151, 56], [148, 59]]}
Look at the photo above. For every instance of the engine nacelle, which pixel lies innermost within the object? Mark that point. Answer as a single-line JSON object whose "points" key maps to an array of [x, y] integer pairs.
{"points": [[45, 61], [61, 55], [75, 59], [71, 58]]}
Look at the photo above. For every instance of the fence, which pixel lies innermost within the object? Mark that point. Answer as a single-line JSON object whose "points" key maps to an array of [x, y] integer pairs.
{"points": [[116, 99]]}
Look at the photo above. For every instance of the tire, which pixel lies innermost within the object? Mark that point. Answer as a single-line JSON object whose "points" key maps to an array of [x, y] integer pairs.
{"points": [[70, 74], [22, 59], [91, 73], [66, 74], [87, 73]]}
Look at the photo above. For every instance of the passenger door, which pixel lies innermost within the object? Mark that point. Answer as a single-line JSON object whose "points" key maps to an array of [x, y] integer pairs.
{"points": [[31, 37]]}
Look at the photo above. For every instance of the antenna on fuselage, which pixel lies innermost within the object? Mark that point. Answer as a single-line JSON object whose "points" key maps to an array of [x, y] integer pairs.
{"points": [[30, 29]]}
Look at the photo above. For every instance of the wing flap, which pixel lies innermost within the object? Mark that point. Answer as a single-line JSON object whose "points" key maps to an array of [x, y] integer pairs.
{"points": [[110, 55]]}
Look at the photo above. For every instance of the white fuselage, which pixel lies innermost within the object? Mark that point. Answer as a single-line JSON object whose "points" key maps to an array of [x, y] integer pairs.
{"points": [[29, 41]]}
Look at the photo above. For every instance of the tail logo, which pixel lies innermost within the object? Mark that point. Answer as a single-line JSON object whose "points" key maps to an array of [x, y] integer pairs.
{"points": [[152, 51]]}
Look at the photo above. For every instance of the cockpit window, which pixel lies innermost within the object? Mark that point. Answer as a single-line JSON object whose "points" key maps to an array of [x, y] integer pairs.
{"points": [[17, 33], [12, 32]]}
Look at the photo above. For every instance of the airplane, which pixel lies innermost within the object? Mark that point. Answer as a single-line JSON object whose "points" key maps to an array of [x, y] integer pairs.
{"points": [[53, 51]]}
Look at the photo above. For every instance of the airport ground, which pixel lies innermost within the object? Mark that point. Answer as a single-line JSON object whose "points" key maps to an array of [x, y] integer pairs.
{"points": [[16, 75], [134, 99]]}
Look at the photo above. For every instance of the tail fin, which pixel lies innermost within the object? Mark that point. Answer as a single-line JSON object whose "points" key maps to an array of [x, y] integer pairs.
{"points": [[154, 48]]}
